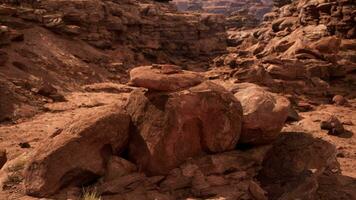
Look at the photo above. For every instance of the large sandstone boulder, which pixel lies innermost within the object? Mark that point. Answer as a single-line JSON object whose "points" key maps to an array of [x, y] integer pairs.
{"points": [[172, 126], [78, 154], [264, 114], [163, 77]]}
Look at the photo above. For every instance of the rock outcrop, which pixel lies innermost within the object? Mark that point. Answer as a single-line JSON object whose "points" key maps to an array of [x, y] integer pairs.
{"points": [[77, 154], [300, 48], [145, 26], [172, 126]]}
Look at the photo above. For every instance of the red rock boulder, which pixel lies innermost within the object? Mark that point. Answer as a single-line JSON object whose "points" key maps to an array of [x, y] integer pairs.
{"points": [[78, 154], [163, 77], [173, 126], [264, 114]]}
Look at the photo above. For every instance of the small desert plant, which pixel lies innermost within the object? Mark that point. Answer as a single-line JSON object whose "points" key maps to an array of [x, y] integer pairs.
{"points": [[90, 194]]}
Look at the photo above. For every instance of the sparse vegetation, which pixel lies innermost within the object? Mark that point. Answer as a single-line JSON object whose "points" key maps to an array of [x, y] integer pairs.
{"points": [[90, 194], [14, 170]]}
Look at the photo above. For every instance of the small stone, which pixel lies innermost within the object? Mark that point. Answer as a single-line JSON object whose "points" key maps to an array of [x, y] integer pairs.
{"points": [[333, 125], [339, 100], [24, 145]]}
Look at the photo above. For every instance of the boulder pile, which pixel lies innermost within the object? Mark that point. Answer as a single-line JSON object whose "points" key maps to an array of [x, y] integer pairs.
{"points": [[300, 47], [179, 117], [174, 117]]}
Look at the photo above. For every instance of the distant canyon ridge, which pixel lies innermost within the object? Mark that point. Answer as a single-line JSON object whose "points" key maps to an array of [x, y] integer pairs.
{"points": [[257, 8]]}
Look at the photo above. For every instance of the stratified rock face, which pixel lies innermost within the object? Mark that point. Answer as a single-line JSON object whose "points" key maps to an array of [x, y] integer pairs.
{"points": [[172, 126], [264, 114], [77, 154], [154, 29], [164, 78]]}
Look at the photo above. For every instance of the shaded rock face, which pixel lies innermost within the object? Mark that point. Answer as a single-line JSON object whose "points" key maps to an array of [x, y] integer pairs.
{"points": [[3, 157], [264, 115], [172, 126], [292, 167], [228, 175], [78, 154]]}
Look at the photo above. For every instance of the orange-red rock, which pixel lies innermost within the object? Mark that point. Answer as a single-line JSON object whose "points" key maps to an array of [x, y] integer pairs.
{"points": [[163, 78], [264, 114], [78, 154], [173, 126]]}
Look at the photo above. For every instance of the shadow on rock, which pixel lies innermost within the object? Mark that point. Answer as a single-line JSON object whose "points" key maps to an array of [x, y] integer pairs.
{"points": [[299, 166]]}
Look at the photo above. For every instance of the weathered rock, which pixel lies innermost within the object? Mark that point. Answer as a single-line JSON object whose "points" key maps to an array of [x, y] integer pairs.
{"points": [[50, 91], [264, 115], [78, 154], [327, 44], [163, 78], [333, 125], [172, 126], [117, 167], [292, 166]]}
